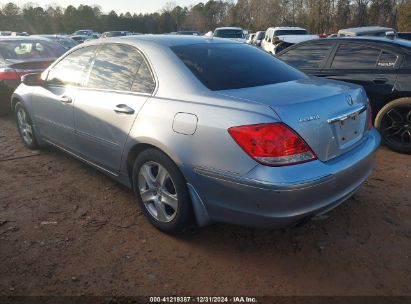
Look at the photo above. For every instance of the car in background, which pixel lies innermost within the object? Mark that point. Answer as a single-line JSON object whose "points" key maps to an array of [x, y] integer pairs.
{"points": [[83, 33], [233, 33], [20, 56], [279, 38], [404, 35], [199, 133], [115, 34], [188, 33], [378, 31], [382, 66], [65, 41], [259, 36], [250, 38], [79, 38]]}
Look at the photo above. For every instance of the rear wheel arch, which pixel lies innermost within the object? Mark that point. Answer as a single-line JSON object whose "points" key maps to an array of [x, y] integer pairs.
{"points": [[136, 150]]}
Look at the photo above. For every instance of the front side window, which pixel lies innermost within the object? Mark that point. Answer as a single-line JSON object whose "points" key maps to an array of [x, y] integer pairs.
{"points": [[122, 68], [226, 66], [309, 56], [355, 56], [72, 69]]}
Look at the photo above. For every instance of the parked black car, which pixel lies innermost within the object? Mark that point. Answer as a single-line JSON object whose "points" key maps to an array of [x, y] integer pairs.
{"points": [[404, 35], [381, 65], [20, 56]]}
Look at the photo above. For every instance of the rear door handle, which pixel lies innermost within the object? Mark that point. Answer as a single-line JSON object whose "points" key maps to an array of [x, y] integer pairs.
{"points": [[66, 99], [125, 109]]}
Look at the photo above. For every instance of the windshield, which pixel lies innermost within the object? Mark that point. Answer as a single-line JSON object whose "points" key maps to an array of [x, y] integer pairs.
{"points": [[116, 34], [290, 32], [30, 49], [229, 34], [67, 42], [223, 66]]}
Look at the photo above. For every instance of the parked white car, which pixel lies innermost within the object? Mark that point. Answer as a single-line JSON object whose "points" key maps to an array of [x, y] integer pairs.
{"points": [[234, 33], [279, 38]]}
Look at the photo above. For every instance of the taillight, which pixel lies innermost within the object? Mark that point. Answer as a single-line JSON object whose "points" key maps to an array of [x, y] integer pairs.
{"points": [[273, 144], [369, 111], [8, 74]]}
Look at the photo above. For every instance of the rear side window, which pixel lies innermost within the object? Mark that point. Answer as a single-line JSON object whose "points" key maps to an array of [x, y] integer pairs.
{"points": [[122, 68], [228, 66], [355, 56], [387, 60], [71, 70], [307, 56]]}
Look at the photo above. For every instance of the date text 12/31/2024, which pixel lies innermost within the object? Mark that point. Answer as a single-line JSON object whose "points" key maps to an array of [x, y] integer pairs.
{"points": [[202, 299]]}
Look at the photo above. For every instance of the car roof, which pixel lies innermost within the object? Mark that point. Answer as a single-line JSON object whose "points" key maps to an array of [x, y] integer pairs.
{"points": [[365, 29], [295, 28], [23, 38], [384, 40], [165, 40], [229, 28]]}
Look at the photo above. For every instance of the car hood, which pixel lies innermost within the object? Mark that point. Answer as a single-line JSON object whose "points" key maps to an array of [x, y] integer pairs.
{"points": [[309, 105]]}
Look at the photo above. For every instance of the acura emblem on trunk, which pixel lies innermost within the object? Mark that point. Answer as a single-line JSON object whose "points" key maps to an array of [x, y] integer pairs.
{"points": [[350, 101]]}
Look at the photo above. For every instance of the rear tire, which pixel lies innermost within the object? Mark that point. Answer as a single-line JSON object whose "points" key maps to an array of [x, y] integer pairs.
{"points": [[25, 126], [394, 123], [161, 191]]}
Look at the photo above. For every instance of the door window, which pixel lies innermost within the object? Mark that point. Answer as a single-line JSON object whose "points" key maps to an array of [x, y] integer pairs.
{"points": [[355, 56], [387, 60], [309, 56], [122, 68], [71, 70]]}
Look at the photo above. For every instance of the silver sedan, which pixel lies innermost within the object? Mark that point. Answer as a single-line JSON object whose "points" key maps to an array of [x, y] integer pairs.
{"points": [[203, 129]]}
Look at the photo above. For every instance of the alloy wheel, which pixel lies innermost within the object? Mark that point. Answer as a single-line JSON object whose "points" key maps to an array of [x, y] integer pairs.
{"points": [[25, 127], [396, 126], [158, 192]]}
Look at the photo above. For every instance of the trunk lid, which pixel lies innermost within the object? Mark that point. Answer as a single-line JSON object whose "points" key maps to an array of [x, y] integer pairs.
{"points": [[329, 115]]}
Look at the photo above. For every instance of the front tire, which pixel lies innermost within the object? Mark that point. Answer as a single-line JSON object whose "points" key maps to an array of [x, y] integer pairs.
{"points": [[394, 123], [161, 191], [25, 126]]}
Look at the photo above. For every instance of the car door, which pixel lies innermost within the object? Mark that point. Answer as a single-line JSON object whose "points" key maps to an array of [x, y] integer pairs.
{"points": [[371, 66], [53, 103], [119, 83], [309, 57]]}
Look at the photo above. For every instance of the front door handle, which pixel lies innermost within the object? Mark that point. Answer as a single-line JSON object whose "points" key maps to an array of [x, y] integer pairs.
{"points": [[125, 109], [66, 99]]}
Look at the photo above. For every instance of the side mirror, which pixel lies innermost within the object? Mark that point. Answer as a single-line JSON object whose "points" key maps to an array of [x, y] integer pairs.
{"points": [[276, 40], [33, 80]]}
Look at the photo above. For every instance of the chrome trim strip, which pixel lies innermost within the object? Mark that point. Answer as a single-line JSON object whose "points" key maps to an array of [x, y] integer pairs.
{"points": [[349, 115], [229, 177]]}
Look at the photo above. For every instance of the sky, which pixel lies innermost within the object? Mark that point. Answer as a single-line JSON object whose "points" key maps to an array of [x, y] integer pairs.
{"points": [[120, 6]]}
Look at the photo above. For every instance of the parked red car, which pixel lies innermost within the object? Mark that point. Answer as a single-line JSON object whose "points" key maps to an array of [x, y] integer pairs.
{"points": [[20, 56]]}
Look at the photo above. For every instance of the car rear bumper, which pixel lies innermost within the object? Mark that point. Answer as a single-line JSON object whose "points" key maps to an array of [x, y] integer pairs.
{"points": [[281, 196]]}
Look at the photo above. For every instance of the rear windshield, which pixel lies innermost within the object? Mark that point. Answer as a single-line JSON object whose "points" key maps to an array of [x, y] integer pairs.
{"points": [[229, 34], [30, 49], [290, 32], [228, 66]]}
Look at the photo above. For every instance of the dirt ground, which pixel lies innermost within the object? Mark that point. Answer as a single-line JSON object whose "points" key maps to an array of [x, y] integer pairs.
{"points": [[66, 229]]}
